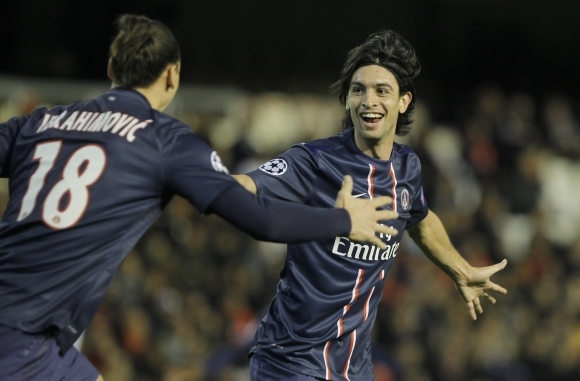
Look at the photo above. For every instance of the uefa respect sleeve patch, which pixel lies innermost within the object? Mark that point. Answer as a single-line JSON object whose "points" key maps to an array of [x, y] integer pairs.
{"points": [[274, 167]]}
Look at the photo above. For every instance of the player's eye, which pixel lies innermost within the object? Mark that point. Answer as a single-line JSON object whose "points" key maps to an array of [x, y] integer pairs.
{"points": [[355, 90]]}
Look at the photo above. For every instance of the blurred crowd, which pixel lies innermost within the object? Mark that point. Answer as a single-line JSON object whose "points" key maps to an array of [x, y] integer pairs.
{"points": [[502, 174]]}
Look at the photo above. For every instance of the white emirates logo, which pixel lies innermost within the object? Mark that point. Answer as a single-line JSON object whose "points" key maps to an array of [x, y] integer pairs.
{"points": [[274, 167]]}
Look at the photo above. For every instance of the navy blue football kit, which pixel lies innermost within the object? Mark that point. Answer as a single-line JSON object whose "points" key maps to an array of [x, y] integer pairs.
{"points": [[320, 321], [86, 181]]}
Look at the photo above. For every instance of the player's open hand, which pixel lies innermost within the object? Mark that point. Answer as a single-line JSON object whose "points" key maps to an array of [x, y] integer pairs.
{"points": [[364, 215], [476, 284]]}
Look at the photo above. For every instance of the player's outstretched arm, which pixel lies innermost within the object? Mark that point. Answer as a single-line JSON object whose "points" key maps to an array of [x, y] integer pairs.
{"points": [[364, 214], [471, 282]]}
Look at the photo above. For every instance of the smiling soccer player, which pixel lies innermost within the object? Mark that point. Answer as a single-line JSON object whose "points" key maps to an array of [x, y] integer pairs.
{"points": [[319, 324]]}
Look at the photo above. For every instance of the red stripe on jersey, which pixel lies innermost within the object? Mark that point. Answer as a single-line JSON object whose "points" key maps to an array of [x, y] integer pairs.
{"points": [[325, 354], [371, 182], [352, 344], [354, 297], [359, 279], [394, 190], [366, 309]]}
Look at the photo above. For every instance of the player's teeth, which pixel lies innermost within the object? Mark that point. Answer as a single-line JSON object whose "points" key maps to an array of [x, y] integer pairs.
{"points": [[371, 115]]}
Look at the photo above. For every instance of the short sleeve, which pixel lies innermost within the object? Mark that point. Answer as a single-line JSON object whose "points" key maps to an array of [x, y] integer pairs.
{"points": [[289, 177], [8, 132], [419, 209], [193, 170]]}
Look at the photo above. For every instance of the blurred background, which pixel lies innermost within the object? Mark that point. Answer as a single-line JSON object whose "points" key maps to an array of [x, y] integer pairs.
{"points": [[497, 127]]}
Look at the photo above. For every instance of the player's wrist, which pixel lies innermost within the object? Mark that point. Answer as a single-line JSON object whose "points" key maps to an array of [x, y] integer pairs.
{"points": [[459, 271]]}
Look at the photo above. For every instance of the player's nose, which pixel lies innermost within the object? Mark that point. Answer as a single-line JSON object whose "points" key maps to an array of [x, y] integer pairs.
{"points": [[369, 100]]}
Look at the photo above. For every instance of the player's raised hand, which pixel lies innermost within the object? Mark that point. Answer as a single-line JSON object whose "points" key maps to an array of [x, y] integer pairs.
{"points": [[476, 283], [364, 215]]}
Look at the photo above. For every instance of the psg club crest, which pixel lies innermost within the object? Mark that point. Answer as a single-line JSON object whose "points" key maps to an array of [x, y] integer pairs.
{"points": [[274, 167], [405, 199]]}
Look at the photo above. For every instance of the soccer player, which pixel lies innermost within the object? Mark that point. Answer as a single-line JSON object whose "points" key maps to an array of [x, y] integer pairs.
{"points": [[319, 324], [86, 181]]}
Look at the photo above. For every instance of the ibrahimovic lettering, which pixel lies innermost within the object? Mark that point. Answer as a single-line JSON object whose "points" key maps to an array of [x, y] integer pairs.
{"points": [[114, 122]]}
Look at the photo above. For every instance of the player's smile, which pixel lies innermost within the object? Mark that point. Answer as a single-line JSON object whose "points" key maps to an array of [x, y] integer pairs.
{"points": [[371, 119]]}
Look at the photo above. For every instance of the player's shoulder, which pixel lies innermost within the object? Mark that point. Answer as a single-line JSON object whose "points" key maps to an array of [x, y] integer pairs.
{"points": [[169, 127], [406, 159], [169, 122], [404, 151], [330, 143]]}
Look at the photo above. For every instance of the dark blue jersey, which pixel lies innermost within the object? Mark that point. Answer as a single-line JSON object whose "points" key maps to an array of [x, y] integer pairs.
{"points": [[86, 181], [321, 318]]}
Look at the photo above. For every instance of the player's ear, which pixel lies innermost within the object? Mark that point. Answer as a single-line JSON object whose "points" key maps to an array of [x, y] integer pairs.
{"points": [[110, 69], [168, 79], [404, 102], [172, 76]]}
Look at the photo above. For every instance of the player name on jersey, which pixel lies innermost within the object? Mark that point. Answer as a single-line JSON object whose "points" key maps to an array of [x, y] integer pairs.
{"points": [[345, 247], [114, 122]]}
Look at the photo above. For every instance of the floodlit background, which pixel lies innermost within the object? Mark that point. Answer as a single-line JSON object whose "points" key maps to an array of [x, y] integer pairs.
{"points": [[497, 128]]}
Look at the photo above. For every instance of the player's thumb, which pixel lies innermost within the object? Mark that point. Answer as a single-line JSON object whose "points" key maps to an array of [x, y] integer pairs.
{"points": [[345, 192], [490, 270], [347, 185], [500, 266]]}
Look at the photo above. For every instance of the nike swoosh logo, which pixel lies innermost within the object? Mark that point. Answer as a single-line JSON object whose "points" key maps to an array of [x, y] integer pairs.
{"points": [[358, 195]]}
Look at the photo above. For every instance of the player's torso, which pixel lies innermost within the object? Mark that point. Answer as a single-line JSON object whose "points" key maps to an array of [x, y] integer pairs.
{"points": [[330, 289]]}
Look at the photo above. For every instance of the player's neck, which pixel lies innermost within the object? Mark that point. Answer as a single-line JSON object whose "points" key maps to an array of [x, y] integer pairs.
{"points": [[379, 149], [153, 96], [159, 94]]}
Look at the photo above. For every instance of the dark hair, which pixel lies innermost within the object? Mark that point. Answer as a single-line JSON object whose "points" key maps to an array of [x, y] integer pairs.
{"points": [[141, 51], [391, 51]]}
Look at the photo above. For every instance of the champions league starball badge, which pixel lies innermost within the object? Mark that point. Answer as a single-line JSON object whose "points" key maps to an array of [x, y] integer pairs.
{"points": [[274, 167], [216, 163]]}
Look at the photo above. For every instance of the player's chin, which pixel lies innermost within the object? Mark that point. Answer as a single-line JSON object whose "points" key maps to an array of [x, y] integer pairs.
{"points": [[370, 133]]}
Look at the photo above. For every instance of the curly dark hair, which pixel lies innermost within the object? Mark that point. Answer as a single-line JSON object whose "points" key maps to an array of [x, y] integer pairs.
{"points": [[391, 51]]}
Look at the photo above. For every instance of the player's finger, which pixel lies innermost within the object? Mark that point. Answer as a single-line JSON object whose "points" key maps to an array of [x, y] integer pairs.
{"points": [[385, 215], [381, 201], [496, 287], [377, 242], [490, 298], [477, 305], [386, 230], [471, 310]]}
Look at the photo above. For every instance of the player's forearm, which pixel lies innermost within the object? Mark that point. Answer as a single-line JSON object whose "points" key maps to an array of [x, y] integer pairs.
{"points": [[431, 237], [268, 219]]}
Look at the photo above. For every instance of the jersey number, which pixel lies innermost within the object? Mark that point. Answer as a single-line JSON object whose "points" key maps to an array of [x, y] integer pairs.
{"points": [[83, 168]]}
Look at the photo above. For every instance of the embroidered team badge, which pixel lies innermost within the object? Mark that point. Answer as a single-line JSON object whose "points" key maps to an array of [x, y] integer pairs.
{"points": [[274, 167], [405, 199], [216, 163]]}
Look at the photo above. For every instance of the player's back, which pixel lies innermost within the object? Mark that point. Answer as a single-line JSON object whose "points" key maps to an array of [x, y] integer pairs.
{"points": [[86, 180]]}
